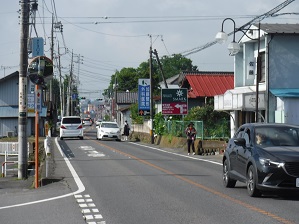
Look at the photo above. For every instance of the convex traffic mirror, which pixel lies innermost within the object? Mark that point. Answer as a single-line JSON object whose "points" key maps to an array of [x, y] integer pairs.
{"points": [[40, 70]]}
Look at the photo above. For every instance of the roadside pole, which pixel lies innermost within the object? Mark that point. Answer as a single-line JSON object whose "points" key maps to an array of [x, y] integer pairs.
{"points": [[37, 108], [22, 120]]}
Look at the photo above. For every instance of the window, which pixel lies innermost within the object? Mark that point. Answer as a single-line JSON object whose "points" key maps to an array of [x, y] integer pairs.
{"points": [[262, 67]]}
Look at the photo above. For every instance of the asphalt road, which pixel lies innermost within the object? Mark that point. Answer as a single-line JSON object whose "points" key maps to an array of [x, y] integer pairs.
{"points": [[128, 183]]}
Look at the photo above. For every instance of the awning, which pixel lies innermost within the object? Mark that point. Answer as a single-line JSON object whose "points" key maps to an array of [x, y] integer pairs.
{"points": [[285, 92], [241, 98]]}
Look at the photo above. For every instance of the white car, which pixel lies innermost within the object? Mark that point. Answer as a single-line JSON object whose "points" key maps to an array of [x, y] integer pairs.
{"points": [[87, 122], [98, 122], [108, 130], [71, 127]]}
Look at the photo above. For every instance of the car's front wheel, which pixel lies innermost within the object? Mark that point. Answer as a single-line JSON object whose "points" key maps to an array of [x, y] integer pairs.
{"points": [[251, 183], [227, 181]]}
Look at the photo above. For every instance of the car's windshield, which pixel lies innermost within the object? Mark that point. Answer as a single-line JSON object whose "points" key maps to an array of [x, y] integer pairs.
{"points": [[277, 136], [109, 125], [71, 120]]}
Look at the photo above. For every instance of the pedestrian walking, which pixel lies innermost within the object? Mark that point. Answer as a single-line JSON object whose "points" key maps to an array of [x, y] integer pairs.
{"points": [[191, 135], [126, 130]]}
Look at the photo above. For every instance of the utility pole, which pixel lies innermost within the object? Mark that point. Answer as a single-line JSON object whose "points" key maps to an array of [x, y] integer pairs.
{"points": [[52, 56], [151, 92], [71, 84], [60, 86], [22, 119]]}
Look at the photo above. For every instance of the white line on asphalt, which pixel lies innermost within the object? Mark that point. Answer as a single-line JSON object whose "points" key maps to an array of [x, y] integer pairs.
{"points": [[77, 179], [177, 154]]}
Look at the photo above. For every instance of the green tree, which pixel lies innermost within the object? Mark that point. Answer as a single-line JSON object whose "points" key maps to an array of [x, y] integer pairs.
{"points": [[135, 114], [216, 124], [176, 64], [127, 78]]}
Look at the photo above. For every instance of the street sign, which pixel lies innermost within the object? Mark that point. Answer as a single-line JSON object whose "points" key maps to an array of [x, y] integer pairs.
{"points": [[74, 96], [38, 100], [30, 103], [174, 101], [144, 97], [37, 46], [144, 112]]}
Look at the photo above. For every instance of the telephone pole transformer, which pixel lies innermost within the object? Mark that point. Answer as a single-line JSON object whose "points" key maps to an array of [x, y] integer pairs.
{"points": [[22, 120]]}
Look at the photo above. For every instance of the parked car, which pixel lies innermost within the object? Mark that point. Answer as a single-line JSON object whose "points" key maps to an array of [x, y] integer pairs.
{"points": [[71, 127], [265, 157], [87, 122], [108, 130]]}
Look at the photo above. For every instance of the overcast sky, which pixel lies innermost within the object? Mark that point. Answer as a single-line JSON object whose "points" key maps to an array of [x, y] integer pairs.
{"points": [[112, 34]]}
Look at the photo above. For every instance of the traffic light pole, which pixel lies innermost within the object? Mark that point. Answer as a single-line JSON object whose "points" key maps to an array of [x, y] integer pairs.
{"points": [[22, 119]]}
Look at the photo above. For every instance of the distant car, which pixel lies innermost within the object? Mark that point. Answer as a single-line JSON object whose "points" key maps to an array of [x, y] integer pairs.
{"points": [[98, 122], [265, 157], [71, 127], [87, 122], [108, 130]]}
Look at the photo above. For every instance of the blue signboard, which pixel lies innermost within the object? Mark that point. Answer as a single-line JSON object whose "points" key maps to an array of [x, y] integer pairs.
{"points": [[37, 46], [144, 98]]}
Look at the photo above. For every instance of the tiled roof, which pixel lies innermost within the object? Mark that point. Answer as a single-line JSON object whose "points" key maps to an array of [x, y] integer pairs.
{"points": [[127, 97], [208, 85]]}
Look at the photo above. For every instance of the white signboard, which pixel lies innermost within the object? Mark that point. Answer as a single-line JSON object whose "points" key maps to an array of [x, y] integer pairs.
{"points": [[38, 100]]}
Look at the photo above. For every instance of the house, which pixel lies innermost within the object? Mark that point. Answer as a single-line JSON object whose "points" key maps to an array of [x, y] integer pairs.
{"points": [[121, 109], [274, 98], [9, 110], [204, 85]]}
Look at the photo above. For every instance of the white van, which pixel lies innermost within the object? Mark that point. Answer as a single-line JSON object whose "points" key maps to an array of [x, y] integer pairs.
{"points": [[71, 127]]}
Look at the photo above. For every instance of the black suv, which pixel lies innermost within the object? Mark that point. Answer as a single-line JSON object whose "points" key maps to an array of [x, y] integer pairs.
{"points": [[264, 156]]}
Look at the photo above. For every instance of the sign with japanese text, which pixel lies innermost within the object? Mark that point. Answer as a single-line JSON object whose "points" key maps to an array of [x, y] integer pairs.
{"points": [[174, 101], [144, 98], [37, 46], [38, 100]]}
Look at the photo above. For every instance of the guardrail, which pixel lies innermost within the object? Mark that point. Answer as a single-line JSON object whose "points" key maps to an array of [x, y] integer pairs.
{"points": [[10, 148]]}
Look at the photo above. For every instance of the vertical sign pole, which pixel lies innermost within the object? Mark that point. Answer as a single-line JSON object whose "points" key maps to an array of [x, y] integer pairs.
{"points": [[36, 133]]}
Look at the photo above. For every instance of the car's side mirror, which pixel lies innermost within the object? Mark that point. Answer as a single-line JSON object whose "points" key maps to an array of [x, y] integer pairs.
{"points": [[240, 142]]}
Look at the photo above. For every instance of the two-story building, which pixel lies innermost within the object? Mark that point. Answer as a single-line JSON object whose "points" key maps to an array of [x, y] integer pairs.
{"points": [[278, 86]]}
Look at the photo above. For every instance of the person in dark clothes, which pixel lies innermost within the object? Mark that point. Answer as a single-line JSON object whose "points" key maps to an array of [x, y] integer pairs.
{"points": [[126, 130], [191, 135]]}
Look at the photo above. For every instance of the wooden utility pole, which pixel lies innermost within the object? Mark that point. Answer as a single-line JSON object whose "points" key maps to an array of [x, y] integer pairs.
{"points": [[22, 119]]}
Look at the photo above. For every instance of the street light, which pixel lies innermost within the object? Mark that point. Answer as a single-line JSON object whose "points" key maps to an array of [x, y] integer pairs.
{"points": [[234, 48], [221, 37]]}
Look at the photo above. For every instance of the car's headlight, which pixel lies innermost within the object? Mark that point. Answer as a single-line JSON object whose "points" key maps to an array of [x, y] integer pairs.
{"points": [[102, 130], [118, 131], [270, 163]]}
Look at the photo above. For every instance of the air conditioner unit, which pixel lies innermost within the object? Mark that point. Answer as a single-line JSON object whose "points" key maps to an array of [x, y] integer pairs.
{"points": [[10, 134]]}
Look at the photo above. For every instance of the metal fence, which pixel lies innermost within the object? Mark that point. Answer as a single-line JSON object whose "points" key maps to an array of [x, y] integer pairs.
{"points": [[10, 148], [177, 128]]}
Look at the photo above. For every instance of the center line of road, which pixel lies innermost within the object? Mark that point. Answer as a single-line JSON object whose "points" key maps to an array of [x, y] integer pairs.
{"points": [[239, 202]]}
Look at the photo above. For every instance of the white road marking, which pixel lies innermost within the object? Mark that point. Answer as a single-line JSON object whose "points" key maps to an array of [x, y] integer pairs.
{"points": [[77, 179], [84, 211], [91, 151], [177, 154]]}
